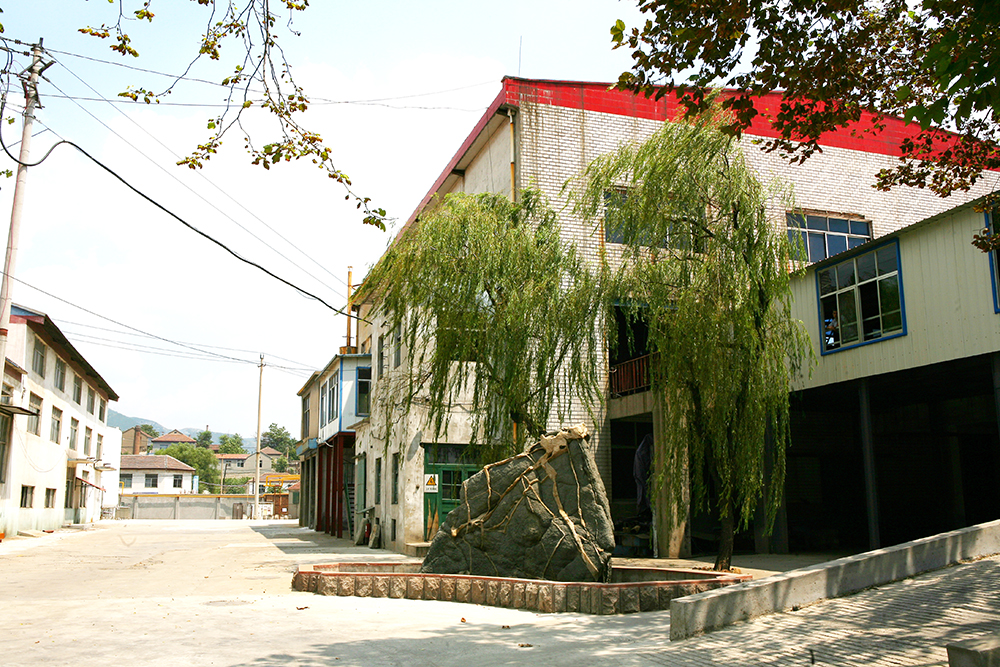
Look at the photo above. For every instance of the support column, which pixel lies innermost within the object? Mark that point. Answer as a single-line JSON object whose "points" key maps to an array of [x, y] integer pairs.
{"points": [[670, 521], [868, 453], [338, 486]]}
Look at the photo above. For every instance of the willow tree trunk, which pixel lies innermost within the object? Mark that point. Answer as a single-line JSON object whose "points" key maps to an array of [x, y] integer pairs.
{"points": [[726, 537]]}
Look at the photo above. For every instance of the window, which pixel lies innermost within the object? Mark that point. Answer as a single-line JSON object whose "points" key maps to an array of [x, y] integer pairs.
{"points": [[90, 400], [100, 446], [378, 481], [74, 432], [861, 299], [50, 497], [178, 481], [381, 356], [60, 374], [322, 404], [364, 391], [125, 479], [824, 235], [5, 423], [239, 464], [305, 417], [35, 420], [151, 480], [102, 411], [38, 358], [397, 346], [395, 479], [88, 436], [55, 433], [333, 400], [27, 496], [77, 389]]}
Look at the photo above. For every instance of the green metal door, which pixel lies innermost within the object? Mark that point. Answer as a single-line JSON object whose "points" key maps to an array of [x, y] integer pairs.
{"points": [[447, 467]]}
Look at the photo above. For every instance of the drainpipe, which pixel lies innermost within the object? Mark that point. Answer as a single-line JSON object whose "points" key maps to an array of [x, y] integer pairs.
{"points": [[349, 273], [513, 180]]}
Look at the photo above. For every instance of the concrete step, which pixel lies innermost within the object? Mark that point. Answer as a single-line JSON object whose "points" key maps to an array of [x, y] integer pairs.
{"points": [[417, 549]]}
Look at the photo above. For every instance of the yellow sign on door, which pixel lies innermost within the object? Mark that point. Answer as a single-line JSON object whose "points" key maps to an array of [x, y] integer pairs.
{"points": [[431, 483]]}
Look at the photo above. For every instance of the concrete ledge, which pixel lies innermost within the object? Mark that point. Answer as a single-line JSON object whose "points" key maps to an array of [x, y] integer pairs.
{"points": [[718, 608], [978, 652]]}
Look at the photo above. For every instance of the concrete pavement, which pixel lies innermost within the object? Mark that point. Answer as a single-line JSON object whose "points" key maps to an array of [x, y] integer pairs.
{"points": [[218, 593]]}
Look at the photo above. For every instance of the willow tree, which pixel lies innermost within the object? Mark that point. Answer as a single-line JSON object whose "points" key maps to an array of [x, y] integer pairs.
{"points": [[499, 314], [701, 264]]}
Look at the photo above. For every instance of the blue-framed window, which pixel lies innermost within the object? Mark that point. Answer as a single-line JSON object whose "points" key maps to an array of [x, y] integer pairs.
{"points": [[994, 263], [364, 393], [823, 235], [861, 299]]}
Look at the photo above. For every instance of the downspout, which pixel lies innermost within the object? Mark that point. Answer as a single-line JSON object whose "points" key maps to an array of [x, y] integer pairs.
{"points": [[513, 179]]}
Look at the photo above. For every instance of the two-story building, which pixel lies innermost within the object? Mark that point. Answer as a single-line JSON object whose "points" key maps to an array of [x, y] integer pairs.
{"points": [[334, 400], [544, 134], [174, 437], [59, 459]]}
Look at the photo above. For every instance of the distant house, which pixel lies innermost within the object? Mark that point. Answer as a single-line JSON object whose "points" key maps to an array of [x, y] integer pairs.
{"points": [[235, 464], [135, 441], [151, 473], [173, 438]]}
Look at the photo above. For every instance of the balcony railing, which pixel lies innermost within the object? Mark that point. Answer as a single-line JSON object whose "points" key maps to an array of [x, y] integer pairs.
{"points": [[630, 377]]}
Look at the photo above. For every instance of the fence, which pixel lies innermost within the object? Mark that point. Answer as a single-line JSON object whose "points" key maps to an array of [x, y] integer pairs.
{"points": [[200, 506]]}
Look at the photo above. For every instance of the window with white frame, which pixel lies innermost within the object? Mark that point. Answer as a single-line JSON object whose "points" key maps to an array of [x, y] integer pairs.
{"points": [[100, 446], [822, 235], [334, 397], [35, 419], [152, 479], [364, 391], [88, 436], [305, 417], [38, 358], [178, 481], [50, 498], [102, 411], [27, 496], [74, 434], [77, 389], [90, 400], [60, 374], [322, 405], [125, 480], [55, 433], [861, 299]]}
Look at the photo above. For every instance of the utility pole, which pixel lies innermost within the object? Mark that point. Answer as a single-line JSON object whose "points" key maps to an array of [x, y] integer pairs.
{"points": [[10, 259], [256, 480]]}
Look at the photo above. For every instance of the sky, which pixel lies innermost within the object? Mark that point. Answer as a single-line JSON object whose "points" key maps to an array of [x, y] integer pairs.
{"points": [[172, 322]]}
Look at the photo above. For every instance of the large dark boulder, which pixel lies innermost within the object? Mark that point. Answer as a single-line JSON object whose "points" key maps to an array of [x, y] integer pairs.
{"points": [[542, 514]]}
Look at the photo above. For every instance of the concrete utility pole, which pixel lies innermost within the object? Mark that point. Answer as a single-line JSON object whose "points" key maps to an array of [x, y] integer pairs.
{"points": [[256, 479], [30, 102]]}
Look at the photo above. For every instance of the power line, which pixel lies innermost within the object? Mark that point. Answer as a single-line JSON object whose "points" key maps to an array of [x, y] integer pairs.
{"points": [[216, 347], [186, 186]]}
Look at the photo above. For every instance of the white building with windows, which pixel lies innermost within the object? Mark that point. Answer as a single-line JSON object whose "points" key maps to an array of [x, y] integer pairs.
{"points": [[156, 473], [59, 459], [543, 134]]}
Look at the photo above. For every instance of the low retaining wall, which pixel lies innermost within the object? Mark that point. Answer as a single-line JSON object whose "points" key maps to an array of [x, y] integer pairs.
{"points": [[403, 580], [715, 609]]}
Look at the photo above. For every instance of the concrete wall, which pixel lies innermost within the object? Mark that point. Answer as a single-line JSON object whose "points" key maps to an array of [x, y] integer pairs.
{"points": [[182, 506], [704, 612]]}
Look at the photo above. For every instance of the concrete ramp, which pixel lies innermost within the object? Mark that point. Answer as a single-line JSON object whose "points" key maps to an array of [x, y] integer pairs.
{"points": [[711, 610]]}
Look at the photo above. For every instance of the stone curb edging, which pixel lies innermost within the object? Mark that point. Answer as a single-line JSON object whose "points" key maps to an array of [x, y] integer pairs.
{"points": [[711, 610], [393, 580]]}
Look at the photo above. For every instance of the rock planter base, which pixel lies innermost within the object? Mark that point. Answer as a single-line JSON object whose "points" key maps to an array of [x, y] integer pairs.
{"points": [[632, 589]]}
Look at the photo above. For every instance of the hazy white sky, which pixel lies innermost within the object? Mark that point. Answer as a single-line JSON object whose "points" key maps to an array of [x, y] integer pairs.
{"points": [[425, 71]]}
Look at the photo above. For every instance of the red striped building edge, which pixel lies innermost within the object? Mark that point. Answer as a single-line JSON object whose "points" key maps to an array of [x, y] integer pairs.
{"points": [[603, 98]]}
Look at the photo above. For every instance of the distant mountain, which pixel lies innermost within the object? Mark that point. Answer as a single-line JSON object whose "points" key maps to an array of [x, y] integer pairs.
{"points": [[124, 422]]}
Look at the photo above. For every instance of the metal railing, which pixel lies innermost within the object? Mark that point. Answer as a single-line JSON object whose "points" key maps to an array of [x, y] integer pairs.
{"points": [[630, 377]]}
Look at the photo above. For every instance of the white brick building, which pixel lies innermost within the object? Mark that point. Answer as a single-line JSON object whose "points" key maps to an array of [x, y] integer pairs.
{"points": [[58, 457], [542, 134], [156, 473]]}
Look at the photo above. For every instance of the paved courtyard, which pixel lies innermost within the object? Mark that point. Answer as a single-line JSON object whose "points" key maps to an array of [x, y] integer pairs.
{"points": [[218, 593]]}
